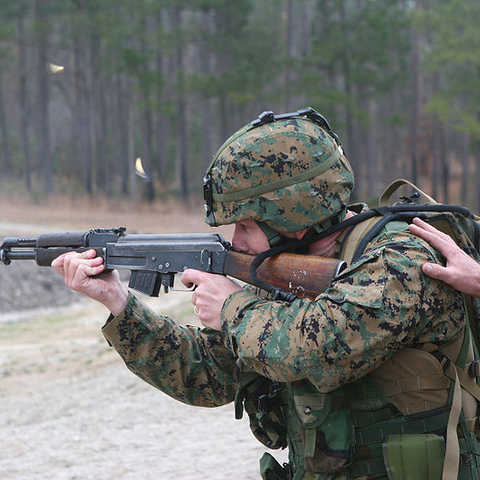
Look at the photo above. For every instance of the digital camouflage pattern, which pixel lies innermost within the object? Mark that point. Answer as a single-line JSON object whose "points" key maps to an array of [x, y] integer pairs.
{"points": [[290, 174], [189, 364], [379, 305]]}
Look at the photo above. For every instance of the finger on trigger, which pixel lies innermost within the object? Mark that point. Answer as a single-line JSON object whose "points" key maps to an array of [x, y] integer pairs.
{"points": [[190, 277]]}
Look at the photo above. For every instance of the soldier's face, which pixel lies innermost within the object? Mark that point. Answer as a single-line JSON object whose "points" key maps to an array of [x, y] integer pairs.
{"points": [[248, 237]]}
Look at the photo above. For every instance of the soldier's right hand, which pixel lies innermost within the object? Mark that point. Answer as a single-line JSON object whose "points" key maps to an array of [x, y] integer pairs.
{"points": [[83, 273]]}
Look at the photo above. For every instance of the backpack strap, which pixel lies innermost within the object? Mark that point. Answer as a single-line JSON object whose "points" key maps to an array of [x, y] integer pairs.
{"points": [[465, 379], [451, 463], [352, 242]]}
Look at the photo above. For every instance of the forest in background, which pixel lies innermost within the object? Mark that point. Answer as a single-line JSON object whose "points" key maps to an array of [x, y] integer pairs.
{"points": [[88, 86]]}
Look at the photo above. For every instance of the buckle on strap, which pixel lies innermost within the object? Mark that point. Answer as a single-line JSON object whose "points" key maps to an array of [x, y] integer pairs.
{"points": [[474, 369], [208, 197], [442, 358]]}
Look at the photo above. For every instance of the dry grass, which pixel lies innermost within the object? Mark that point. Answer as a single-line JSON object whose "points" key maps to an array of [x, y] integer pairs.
{"points": [[82, 213]]}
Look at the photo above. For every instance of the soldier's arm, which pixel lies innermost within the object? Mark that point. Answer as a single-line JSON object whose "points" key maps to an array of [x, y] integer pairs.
{"points": [[188, 363]]}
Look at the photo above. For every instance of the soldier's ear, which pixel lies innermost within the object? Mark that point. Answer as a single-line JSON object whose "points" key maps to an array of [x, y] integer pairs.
{"points": [[300, 233]]}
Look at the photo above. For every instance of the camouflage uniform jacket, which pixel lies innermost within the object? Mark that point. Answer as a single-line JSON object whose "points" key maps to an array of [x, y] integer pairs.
{"points": [[379, 305]]}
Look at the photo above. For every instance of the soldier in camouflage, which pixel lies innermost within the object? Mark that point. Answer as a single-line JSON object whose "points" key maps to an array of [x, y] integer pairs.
{"points": [[353, 383]]}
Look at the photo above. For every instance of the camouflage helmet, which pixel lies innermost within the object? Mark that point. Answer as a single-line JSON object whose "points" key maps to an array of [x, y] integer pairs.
{"points": [[286, 172]]}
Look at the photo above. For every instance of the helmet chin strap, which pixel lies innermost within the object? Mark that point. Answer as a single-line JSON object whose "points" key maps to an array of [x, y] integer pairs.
{"points": [[329, 222], [275, 238]]}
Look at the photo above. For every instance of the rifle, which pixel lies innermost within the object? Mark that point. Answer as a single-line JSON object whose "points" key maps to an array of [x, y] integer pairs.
{"points": [[154, 259]]}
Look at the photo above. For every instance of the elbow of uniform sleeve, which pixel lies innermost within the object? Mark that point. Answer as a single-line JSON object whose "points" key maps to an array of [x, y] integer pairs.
{"points": [[232, 315], [113, 325], [263, 335]]}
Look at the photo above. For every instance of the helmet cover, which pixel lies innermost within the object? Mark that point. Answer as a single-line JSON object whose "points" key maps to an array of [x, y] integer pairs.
{"points": [[289, 173]]}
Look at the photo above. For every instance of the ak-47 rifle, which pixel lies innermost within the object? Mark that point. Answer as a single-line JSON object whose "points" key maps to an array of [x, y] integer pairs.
{"points": [[154, 259]]}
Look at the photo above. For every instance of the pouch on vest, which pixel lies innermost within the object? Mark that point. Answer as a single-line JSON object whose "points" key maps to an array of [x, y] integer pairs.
{"points": [[270, 469], [414, 456], [261, 399], [326, 427]]}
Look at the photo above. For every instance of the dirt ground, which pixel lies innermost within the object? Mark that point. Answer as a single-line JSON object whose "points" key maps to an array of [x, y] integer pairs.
{"points": [[69, 408]]}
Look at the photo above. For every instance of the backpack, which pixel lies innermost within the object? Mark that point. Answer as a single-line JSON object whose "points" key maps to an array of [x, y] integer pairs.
{"points": [[464, 228], [456, 221]]}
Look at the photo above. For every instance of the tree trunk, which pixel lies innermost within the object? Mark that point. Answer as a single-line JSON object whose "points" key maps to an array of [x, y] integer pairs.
{"points": [[371, 155], [121, 134], [288, 53], [43, 123], [346, 72], [99, 125], [7, 163], [415, 105], [81, 127], [24, 103], [464, 154], [161, 123], [444, 162], [181, 133], [206, 102], [147, 127]]}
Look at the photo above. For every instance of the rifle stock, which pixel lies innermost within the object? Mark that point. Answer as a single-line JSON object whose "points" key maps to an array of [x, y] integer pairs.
{"points": [[305, 276], [154, 259]]}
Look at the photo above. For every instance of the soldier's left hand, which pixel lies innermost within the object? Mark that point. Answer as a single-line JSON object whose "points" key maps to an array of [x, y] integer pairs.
{"points": [[209, 296]]}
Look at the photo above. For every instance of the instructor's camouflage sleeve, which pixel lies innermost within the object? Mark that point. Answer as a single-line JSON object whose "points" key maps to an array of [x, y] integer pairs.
{"points": [[187, 363], [379, 305]]}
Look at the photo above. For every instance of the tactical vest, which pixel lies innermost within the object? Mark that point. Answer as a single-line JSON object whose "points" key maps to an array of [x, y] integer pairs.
{"points": [[415, 417]]}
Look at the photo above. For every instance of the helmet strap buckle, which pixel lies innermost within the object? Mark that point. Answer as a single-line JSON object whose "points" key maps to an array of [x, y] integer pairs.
{"points": [[208, 196]]}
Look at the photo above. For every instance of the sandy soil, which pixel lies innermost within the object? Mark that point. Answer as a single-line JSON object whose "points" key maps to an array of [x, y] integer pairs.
{"points": [[69, 408]]}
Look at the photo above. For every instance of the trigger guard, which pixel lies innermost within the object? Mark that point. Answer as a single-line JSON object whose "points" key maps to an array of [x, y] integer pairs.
{"points": [[191, 289]]}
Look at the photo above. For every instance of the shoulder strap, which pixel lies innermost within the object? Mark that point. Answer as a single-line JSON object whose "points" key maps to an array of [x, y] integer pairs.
{"points": [[350, 247]]}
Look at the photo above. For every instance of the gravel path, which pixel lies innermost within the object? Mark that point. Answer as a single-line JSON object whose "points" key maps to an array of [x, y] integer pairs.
{"points": [[107, 425], [69, 409]]}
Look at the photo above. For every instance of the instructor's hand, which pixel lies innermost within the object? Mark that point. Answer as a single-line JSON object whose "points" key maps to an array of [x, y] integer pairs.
{"points": [[462, 272]]}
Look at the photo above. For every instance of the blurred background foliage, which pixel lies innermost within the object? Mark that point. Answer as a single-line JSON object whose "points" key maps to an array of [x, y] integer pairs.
{"points": [[88, 86]]}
